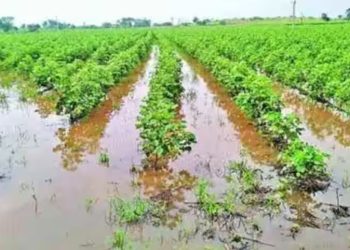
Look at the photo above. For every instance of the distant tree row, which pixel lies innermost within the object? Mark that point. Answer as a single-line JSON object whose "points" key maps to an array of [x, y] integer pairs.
{"points": [[7, 23], [325, 17]]}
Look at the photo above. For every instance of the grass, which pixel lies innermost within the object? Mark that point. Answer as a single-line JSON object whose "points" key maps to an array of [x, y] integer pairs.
{"points": [[132, 211], [207, 201], [247, 177], [120, 240]]}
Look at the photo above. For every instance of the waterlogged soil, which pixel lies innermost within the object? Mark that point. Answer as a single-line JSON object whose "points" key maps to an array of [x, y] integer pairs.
{"points": [[51, 171], [54, 191], [329, 131]]}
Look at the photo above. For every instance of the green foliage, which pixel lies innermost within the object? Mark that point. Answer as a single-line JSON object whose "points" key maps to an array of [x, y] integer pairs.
{"points": [[120, 241], [207, 202], [104, 158], [247, 177], [131, 211], [6, 23], [304, 160], [163, 133], [80, 66], [282, 128], [234, 58]]}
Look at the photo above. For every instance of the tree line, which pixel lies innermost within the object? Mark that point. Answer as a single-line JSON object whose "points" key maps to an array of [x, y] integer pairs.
{"points": [[7, 23]]}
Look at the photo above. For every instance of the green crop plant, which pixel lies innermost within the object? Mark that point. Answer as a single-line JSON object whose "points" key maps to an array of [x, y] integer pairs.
{"points": [[79, 66], [254, 94], [104, 158], [304, 160], [163, 134]]}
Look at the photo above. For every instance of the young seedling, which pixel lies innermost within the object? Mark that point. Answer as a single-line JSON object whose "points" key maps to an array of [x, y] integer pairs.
{"points": [[104, 158], [120, 241], [89, 203]]}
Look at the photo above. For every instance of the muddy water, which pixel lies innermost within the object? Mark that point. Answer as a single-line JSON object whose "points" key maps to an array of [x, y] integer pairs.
{"points": [[330, 132], [43, 206], [50, 170], [223, 133]]}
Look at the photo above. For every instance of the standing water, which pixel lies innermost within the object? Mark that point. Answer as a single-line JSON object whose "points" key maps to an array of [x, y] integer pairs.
{"points": [[46, 205]]}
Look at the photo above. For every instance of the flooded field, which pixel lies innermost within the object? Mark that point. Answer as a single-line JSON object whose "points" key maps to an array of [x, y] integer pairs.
{"points": [[55, 191]]}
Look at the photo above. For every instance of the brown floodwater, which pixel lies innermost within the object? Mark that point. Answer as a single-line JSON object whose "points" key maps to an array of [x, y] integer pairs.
{"points": [[44, 205], [50, 170], [329, 131]]}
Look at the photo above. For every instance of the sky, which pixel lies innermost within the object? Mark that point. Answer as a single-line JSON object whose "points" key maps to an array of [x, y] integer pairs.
{"points": [[99, 11]]}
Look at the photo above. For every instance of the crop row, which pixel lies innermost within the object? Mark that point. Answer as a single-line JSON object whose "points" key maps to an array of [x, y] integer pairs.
{"points": [[313, 60], [163, 133], [89, 86], [254, 94], [80, 73]]}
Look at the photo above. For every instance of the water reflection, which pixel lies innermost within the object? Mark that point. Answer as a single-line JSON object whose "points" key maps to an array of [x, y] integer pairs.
{"points": [[320, 120], [170, 188], [204, 96], [84, 136]]}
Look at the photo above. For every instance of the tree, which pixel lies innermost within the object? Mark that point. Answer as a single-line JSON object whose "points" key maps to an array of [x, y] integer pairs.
{"points": [[54, 24], [325, 17], [347, 14], [340, 16], [6, 23], [33, 27], [107, 25], [195, 19]]}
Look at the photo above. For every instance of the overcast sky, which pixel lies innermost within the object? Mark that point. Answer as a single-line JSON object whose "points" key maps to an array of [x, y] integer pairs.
{"points": [[98, 11]]}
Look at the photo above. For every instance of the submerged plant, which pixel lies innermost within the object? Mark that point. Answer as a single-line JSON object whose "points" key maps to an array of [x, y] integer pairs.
{"points": [[89, 202], [120, 241], [346, 180], [247, 177], [207, 202], [2, 98], [104, 158]]}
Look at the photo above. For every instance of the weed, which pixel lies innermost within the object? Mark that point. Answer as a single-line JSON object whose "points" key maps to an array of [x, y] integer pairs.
{"points": [[346, 180], [207, 202], [273, 203], [120, 240], [131, 211], [89, 202], [248, 178], [104, 158]]}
